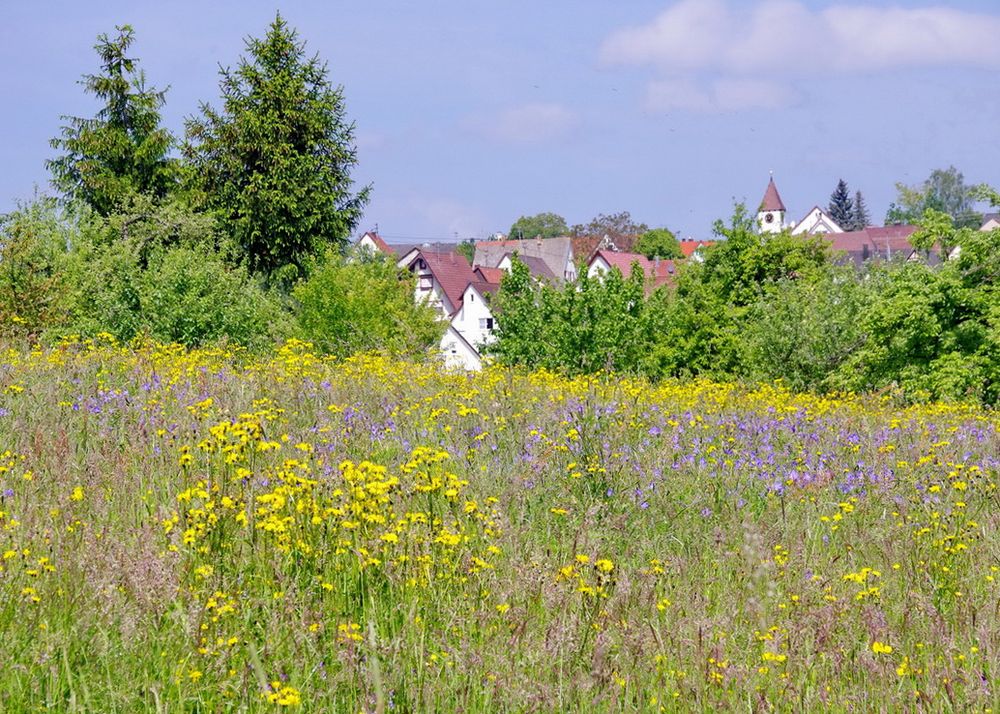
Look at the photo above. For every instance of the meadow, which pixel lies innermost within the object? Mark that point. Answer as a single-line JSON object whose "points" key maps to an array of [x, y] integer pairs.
{"points": [[212, 531]]}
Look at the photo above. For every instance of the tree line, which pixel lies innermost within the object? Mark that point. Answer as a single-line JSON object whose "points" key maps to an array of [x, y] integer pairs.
{"points": [[765, 307], [235, 231]]}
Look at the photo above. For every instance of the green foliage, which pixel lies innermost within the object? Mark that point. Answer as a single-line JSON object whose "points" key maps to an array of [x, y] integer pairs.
{"points": [[33, 242], [364, 304], [580, 327], [275, 161], [123, 150], [191, 298], [467, 249], [544, 225], [740, 265], [802, 331], [659, 243], [180, 294], [944, 190]]}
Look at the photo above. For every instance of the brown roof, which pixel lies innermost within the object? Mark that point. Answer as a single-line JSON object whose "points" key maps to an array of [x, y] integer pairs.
{"points": [[451, 270], [584, 247], [485, 289], [874, 242], [771, 200], [537, 267]]}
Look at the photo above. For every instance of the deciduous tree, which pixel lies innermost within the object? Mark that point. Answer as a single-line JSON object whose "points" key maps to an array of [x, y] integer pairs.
{"points": [[659, 243], [544, 225]]}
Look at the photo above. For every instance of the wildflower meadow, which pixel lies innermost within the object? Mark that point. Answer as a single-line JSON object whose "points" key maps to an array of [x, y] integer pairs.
{"points": [[214, 531]]}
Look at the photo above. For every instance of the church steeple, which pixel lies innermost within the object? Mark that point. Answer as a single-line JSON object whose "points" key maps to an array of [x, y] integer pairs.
{"points": [[771, 214]]}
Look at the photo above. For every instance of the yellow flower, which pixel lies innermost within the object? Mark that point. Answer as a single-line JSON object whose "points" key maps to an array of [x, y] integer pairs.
{"points": [[604, 565], [77, 494], [881, 648]]}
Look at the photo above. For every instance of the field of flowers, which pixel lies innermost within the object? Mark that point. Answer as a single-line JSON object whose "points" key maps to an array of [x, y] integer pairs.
{"points": [[206, 531]]}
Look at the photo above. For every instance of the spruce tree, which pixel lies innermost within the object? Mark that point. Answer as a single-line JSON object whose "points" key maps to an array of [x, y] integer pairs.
{"points": [[861, 217], [123, 150], [841, 208], [275, 160]]}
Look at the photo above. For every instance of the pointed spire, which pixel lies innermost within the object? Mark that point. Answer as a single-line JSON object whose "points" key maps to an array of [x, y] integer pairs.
{"points": [[771, 201]]}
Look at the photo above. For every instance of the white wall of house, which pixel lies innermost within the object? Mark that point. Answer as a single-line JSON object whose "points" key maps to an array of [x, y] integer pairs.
{"points": [[598, 267], [457, 353], [474, 320], [366, 243]]}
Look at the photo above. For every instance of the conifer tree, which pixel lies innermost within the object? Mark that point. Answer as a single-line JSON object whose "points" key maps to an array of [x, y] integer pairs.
{"points": [[123, 150], [841, 208], [862, 219], [275, 160]]}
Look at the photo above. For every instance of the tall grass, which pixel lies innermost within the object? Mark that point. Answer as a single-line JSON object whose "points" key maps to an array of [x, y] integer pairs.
{"points": [[205, 531]]}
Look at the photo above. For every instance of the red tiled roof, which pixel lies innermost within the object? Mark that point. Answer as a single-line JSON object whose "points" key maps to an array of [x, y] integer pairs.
{"points": [[452, 271], [490, 275], [688, 247], [659, 272], [771, 201]]}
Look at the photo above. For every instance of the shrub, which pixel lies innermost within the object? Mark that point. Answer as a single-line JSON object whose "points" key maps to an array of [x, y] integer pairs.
{"points": [[363, 303]]}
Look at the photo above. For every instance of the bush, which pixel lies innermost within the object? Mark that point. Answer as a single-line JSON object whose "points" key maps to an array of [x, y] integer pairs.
{"points": [[190, 298], [361, 304], [33, 244]]}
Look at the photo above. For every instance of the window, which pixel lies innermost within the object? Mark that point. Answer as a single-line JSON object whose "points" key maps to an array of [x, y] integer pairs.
{"points": [[424, 282], [485, 323]]}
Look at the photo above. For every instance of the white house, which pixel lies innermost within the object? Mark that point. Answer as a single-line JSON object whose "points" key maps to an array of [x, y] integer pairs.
{"points": [[474, 319], [446, 281], [816, 222], [371, 241]]}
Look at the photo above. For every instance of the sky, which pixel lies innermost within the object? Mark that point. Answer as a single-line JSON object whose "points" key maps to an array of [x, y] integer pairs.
{"points": [[471, 114]]}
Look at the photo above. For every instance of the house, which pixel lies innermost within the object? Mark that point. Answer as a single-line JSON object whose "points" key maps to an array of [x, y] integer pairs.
{"points": [[991, 221], [372, 242], [694, 249], [657, 272], [816, 222], [537, 267], [474, 319], [458, 353], [446, 281], [555, 253]]}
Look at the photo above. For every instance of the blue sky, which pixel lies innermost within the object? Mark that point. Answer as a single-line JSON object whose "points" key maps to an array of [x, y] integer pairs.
{"points": [[470, 114]]}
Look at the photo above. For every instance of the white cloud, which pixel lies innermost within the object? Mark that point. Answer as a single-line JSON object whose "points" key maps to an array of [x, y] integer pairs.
{"points": [[526, 124], [700, 41]]}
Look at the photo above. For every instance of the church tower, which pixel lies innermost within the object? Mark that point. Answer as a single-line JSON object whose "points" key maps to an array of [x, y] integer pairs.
{"points": [[771, 214]]}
